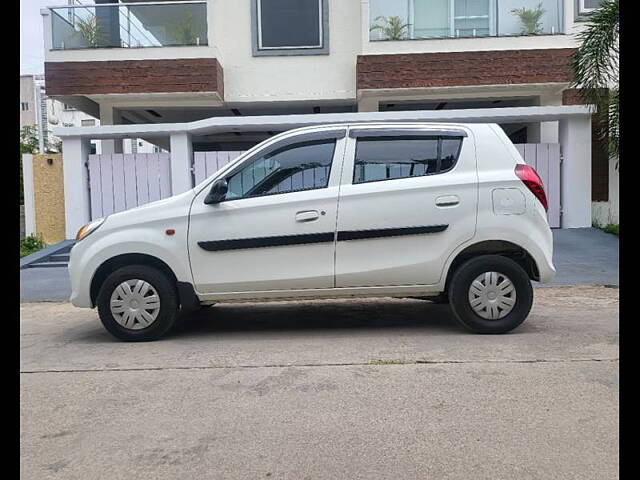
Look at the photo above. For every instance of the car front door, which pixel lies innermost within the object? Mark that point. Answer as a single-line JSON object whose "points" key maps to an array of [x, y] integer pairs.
{"points": [[275, 228], [408, 198]]}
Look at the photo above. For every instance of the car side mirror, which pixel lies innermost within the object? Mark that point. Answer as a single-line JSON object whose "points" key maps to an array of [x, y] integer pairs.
{"points": [[217, 193]]}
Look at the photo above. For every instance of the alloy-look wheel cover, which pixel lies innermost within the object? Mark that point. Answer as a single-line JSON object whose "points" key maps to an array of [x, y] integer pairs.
{"points": [[135, 304], [492, 295]]}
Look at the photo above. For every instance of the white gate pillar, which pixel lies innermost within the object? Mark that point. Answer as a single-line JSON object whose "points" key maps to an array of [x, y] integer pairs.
{"points": [[181, 162], [75, 154], [575, 171]]}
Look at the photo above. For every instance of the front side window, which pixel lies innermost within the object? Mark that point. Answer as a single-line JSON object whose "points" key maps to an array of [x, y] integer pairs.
{"points": [[388, 158], [291, 168], [285, 27]]}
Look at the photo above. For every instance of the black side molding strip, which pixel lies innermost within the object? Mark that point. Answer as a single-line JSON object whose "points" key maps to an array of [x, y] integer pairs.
{"points": [[279, 241], [389, 232], [260, 242]]}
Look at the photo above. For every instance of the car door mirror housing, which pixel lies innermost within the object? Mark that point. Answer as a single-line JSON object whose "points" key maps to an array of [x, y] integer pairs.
{"points": [[217, 193]]}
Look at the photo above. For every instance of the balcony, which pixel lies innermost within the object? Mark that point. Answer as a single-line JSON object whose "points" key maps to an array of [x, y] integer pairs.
{"points": [[129, 25], [430, 19]]}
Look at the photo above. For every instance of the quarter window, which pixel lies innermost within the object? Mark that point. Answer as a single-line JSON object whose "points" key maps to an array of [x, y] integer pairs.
{"points": [[388, 158], [292, 168]]}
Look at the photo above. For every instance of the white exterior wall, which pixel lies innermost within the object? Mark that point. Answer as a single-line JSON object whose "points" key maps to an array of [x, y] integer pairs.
{"points": [[286, 78]]}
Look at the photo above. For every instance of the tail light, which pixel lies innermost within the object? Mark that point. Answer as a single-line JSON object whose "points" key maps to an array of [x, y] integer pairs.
{"points": [[530, 178]]}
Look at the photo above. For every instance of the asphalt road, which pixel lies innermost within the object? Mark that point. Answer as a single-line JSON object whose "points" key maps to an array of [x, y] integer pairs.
{"points": [[325, 390]]}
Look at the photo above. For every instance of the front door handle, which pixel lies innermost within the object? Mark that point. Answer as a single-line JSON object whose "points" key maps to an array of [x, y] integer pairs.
{"points": [[307, 216], [447, 201]]}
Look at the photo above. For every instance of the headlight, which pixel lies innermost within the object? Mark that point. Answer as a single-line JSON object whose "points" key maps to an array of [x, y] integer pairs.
{"points": [[89, 228]]}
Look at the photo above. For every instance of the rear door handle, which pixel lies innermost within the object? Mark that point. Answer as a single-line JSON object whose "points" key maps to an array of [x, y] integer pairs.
{"points": [[447, 201], [307, 216]]}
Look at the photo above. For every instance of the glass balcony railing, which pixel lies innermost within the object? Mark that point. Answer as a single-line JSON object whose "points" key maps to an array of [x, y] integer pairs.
{"points": [[424, 19], [131, 25]]}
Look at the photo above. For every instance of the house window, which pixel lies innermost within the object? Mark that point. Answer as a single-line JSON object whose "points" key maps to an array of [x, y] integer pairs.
{"points": [[290, 27], [87, 123], [67, 108], [24, 106], [585, 7]]}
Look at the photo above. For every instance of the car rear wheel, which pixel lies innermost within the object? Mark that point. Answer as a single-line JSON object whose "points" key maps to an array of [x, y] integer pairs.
{"points": [[138, 303], [490, 294]]}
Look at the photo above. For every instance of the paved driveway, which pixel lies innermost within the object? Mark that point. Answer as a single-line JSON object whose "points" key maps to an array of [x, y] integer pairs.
{"points": [[325, 390], [582, 256]]}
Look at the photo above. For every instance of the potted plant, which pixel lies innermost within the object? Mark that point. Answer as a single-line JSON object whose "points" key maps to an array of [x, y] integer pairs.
{"points": [[392, 28], [530, 19], [89, 30], [184, 32]]}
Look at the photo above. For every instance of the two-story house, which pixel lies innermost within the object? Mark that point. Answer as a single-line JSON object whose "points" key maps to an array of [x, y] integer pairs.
{"points": [[179, 61]]}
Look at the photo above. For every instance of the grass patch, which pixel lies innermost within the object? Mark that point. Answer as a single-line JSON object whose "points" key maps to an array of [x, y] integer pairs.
{"points": [[612, 228], [380, 361], [31, 244]]}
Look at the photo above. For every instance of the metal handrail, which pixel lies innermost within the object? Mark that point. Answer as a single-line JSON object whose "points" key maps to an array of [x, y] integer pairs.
{"points": [[128, 4]]}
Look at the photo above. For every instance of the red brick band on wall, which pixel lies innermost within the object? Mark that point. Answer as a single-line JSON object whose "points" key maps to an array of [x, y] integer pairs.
{"points": [[599, 152], [496, 67], [134, 76]]}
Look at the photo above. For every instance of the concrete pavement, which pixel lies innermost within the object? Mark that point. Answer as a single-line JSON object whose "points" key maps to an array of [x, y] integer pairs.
{"points": [[325, 389]]}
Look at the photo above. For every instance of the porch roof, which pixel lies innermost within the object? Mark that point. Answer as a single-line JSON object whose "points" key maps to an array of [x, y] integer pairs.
{"points": [[286, 122]]}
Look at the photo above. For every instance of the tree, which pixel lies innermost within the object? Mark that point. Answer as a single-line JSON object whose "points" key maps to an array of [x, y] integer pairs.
{"points": [[29, 139], [595, 67]]}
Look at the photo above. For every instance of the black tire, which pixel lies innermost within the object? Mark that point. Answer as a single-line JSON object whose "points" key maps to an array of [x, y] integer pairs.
{"points": [[468, 272], [169, 304]]}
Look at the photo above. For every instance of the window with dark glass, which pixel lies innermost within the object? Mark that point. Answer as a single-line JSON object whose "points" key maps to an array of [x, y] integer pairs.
{"points": [[588, 6], [388, 158], [289, 24], [292, 168]]}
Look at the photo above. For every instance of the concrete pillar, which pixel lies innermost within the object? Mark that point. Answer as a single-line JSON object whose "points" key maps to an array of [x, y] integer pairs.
{"points": [[368, 104], [29, 194], [76, 183], [181, 162], [110, 116], [549, 130], [575, 171]]}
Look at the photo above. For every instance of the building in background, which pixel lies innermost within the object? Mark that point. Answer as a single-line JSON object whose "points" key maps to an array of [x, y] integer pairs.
{"points": [[175, 62], [36, 108]]}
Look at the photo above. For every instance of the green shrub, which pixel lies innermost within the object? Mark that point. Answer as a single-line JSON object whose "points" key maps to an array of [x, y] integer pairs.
{"points": [[612, 228], [31, 244]]}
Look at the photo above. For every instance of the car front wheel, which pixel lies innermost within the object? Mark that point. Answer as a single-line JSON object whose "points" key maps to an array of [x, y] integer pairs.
{"points": [[490, 294], [138, 303]]}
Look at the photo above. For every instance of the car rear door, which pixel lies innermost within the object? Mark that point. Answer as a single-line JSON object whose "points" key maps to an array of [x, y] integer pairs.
{"points": [[408, 198]]}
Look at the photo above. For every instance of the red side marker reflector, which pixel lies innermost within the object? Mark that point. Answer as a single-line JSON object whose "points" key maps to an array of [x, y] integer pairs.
{"points": [[169, 231]]}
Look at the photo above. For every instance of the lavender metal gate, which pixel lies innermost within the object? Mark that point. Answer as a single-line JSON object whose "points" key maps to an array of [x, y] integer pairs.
{"points": [[206, 164], [545, 158], [122, 181]]}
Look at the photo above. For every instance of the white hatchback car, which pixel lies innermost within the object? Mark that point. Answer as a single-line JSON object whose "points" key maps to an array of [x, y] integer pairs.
{"points": [[445, 212]]}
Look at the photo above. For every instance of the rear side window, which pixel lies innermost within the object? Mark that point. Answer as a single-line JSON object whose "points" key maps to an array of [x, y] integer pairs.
{"points": [[389, 158]]}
